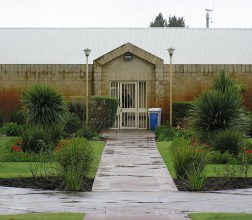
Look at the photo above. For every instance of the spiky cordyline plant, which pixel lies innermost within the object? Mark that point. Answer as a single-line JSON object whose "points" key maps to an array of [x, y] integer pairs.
{"points": [[43, 105], [219, 109]]}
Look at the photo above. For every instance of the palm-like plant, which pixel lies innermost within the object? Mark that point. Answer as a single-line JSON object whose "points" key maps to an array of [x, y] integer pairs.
{"points": [[219, 109], [43, 105]]}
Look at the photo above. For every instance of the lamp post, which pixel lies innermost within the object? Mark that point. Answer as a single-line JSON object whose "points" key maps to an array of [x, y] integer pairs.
{"points": [[170, 51], [87, 52]]}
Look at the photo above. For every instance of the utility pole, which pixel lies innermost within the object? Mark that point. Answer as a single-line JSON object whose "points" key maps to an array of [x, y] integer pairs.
{"points": [[207, 17]]}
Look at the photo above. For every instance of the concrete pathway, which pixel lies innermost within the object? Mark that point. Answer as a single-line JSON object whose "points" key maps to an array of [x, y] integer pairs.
{"points": [[122, 196], [131, 162]]}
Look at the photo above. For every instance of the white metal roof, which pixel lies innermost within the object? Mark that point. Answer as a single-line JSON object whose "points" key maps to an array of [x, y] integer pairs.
{"points": [[65, 45]]}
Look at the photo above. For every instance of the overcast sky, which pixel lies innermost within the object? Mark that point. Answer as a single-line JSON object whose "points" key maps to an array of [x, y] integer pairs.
{"points": [[122, 13]]}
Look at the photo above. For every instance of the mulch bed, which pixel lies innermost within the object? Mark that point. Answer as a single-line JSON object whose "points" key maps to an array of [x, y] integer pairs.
{"points": [[55, 183], [215, 184], [45, 183]]}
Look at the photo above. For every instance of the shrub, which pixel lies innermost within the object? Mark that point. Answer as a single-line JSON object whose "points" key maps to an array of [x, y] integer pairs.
{"points": [[102, 112], [180, 111], [37, 139], [184, 156], [72, 124], [195, 177], [227, 140], [219, 109], [18, 116], [77, 108], [250, 125], [1, 120], [87, 133], [75, 158], [215, 111], [224, 82], [43, 105], [13, 129], [220, 158], [164, 132]]}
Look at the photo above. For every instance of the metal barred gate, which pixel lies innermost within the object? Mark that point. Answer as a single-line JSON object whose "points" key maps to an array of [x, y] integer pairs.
{"points": [[132, 109]]}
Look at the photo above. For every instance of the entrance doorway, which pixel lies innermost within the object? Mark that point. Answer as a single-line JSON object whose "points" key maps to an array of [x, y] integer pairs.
{"points": [[132, 109]]}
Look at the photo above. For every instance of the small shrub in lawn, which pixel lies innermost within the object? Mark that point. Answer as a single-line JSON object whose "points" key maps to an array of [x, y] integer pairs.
{"points": [[18, 116], [164, 132], [36, 139], [87, 133], [221, 158], [180, 112], [77, 108], [75, 158], [102, 112], [72, 124], [43, 105], [195, 178], [183, 133], [184, 155], [227, 140], [13, 129]]}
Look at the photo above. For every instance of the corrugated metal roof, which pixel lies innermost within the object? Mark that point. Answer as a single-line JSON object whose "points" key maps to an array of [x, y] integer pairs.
{"points": [[65, 45]]}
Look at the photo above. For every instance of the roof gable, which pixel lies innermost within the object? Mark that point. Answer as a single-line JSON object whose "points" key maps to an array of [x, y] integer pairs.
{"points": [[128, 47]]}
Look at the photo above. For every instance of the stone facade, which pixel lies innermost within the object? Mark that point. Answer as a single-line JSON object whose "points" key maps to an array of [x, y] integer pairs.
{"points": [[188, 80]]}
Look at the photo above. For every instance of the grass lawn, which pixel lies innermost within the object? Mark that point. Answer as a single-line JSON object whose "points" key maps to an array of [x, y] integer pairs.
{"points": [[222, 216], [42, 216], [164, 147], [212, 170], [22, 169], [4, 140]]}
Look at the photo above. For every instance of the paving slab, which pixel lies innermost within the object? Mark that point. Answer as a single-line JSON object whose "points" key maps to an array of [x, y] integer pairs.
{"points": [[165, 203], [132, 217], [131, 162]]}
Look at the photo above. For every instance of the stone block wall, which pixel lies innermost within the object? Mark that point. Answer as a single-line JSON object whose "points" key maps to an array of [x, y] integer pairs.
{"points": [[188, 80], [69, 80]]}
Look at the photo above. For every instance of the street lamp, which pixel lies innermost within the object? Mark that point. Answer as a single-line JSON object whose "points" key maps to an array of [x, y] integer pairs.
{"points": [[171, 51], [87, 52]]}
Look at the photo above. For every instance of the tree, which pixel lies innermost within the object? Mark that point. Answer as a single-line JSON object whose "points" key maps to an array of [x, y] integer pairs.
{"points": [[159, 21], [176, 22], [173, 21]]}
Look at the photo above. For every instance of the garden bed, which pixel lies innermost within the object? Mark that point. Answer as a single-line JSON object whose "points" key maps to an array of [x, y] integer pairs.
{"points": [[44, 183], [219, 183], [54, 183]]}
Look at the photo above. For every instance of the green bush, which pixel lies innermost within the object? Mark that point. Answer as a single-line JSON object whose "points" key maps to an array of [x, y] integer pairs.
{"points": [[219, 109], [184, 156], [87, 133], [220, 158], [180, 111], [195, 177], [164, 132], [224, 82], [13, 129], [250, 125], [75, 158], [18, 116], [1, 120], [227, 140], [43, 105], [37, 139], [72, 124], [102, 112], [77, 108]]}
